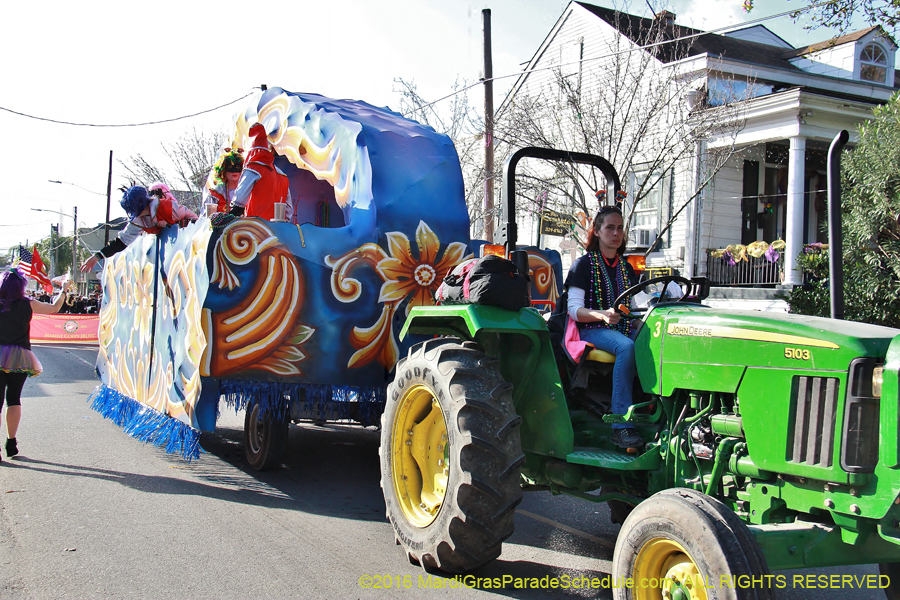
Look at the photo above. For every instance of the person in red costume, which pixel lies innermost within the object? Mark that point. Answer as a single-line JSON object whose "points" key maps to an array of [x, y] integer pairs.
{"points": [[262, 184]]}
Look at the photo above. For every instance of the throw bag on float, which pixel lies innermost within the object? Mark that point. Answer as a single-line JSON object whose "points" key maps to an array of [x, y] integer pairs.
{"points": [[490, 280]]}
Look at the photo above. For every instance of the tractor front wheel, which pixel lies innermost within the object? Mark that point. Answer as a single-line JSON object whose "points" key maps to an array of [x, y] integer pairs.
{"points": [[680, 543], [450, 456], [264, 439]]}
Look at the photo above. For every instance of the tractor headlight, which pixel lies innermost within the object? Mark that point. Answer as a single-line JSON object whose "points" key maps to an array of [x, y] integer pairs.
{"points": [[877, 378]]}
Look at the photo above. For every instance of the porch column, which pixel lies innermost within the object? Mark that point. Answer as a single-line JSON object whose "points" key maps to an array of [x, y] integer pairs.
{"points": [[794, 222], [693, 220]]}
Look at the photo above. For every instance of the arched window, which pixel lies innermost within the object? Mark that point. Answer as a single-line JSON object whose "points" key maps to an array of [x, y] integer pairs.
{"points": [[873, 64]]}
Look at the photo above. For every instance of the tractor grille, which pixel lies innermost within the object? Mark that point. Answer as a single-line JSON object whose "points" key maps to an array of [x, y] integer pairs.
{"points": [[815, 405], [859, 453]]}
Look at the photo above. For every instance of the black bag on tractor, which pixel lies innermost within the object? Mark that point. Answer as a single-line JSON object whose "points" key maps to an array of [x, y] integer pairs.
{"points": [[491, 281]]}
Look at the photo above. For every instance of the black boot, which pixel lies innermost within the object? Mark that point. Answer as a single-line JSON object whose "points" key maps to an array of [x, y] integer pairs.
{"points": [[628, 439], [11, 448]]}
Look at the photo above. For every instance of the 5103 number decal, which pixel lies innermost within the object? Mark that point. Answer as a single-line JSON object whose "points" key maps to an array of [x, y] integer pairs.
{"points": [[797, 353]]}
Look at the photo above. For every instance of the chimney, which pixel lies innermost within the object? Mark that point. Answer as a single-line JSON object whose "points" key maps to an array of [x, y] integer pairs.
{"points": [[666, 18]]}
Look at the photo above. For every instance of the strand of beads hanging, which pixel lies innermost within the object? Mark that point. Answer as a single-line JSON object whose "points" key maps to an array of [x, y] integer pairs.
{"points": [[602, 290]]}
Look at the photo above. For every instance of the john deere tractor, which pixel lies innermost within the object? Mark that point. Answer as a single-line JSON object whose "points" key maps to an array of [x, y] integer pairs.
{"points": [[772, 439]]}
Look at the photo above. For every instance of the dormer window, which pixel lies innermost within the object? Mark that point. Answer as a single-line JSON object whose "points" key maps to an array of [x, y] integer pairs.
{"points": [[873, 64]]}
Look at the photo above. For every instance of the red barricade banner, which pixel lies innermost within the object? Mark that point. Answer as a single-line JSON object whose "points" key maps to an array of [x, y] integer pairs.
{"points": [[64, 329]]}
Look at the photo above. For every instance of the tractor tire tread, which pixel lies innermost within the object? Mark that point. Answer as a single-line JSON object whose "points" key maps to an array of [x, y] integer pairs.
{"points": [[484, 453]]}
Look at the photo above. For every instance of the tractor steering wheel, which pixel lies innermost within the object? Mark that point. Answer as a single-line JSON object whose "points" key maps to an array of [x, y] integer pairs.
{"points": [[638, 313]]}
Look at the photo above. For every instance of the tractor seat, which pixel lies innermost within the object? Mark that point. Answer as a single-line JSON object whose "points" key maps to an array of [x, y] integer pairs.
{"points": [[600, 356]]}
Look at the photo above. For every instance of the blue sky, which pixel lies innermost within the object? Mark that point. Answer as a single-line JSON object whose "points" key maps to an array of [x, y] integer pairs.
{"points": [[123, 62]]}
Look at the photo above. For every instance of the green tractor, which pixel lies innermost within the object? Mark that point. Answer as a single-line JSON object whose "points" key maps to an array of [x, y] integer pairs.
{"points": [[772, 438]]}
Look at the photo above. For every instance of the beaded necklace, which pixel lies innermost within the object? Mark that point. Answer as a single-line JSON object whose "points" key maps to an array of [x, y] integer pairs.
{"points": [[603, 291]]}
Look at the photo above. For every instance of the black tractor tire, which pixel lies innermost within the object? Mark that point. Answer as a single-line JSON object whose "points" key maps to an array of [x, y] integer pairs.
{"points": [[451, 456], [265, 440], [618, 509], [892, 571], [688, 539]]}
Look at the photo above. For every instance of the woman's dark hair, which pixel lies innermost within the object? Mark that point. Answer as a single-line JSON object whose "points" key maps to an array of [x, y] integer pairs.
{"points": [[12, 288], [593, 235]]}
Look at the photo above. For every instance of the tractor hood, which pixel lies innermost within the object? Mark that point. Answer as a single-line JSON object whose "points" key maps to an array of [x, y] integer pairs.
{"points": [[701, 348], [776, 329]]}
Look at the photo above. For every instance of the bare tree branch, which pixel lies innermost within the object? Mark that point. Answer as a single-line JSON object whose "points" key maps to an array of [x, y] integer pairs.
{"points": [[629, 108], [190, 157]]}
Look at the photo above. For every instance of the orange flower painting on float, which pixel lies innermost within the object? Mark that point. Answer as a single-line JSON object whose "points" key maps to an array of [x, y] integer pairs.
{"points": [[404, 275], [261, 331]]}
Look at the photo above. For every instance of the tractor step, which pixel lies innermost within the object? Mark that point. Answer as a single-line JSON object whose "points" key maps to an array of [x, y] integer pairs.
{"points": [[610, 459]]}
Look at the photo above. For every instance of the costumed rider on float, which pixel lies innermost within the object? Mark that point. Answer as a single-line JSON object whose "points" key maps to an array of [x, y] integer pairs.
{"points": [[149, 212], [228, 174], [262, 184]]}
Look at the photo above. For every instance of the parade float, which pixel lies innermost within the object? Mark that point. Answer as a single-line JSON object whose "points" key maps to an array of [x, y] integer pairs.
{"points": [[292, 320]]}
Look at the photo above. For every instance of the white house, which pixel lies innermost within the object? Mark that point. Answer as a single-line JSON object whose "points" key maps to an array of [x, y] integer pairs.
{"points": [[795, 101]]}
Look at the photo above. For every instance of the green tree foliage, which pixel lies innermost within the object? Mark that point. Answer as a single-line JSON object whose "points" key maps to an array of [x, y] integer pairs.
{"points": [[871, 229], [61, 247], [839, 14]]}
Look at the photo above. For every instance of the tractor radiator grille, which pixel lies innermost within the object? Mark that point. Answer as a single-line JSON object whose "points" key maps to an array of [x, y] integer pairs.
{"points": [[815, 405]]}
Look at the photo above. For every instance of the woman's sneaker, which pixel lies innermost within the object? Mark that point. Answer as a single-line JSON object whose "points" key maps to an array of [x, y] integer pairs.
{"points": [[628, 439], [11, 448]]}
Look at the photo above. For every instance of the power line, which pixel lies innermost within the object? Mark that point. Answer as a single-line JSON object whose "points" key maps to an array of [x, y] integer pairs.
{"points": [[58, 122]]}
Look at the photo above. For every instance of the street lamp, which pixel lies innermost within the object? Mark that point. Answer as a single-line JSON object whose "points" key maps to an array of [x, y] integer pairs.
{"points": [[76, 185], [74, 236]]}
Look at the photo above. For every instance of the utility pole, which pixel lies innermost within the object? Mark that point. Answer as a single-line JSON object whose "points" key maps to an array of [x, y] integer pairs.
{"points": [[108, 195], [54, 236], [488, 130], [75, 246]]}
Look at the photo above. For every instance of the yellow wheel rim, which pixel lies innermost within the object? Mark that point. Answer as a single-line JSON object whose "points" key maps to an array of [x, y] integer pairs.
{"points": [[664, 570], [419, 456]]}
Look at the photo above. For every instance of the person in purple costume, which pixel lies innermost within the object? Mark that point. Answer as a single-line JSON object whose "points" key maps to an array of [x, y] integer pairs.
{"points": [[17, 361]]}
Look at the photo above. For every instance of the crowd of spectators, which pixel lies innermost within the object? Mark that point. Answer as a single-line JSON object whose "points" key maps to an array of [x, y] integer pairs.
{"points": [[75, 304]]}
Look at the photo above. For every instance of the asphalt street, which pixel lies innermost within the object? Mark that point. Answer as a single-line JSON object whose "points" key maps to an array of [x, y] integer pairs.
{"points": [[87, 512]]}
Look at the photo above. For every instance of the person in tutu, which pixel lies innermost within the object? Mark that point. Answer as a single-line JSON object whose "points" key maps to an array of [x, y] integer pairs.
{"points": [[17, 361]]}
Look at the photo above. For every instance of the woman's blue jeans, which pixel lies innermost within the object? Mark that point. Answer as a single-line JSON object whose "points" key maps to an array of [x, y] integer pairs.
{"points": [[610, 340]]}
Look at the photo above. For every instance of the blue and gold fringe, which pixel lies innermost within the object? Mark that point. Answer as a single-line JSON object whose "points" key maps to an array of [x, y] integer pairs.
{"points": [[312, 400], [146, 424]]}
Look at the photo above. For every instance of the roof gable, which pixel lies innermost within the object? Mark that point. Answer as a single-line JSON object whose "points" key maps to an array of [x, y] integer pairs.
{"points": [[839, 41], [760, 34]]}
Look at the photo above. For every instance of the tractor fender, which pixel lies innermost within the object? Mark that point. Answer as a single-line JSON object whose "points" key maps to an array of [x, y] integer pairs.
{"points": [[521, 342]]}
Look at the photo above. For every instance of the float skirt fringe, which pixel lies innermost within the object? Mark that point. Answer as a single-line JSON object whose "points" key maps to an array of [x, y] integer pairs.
{"points": [[145, 423], [305, 400]]}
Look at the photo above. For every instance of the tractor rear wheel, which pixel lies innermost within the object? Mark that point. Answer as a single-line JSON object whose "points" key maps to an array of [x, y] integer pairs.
{"points": [[265, 440], [450, 456], [682, 543], [892, 570]]}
